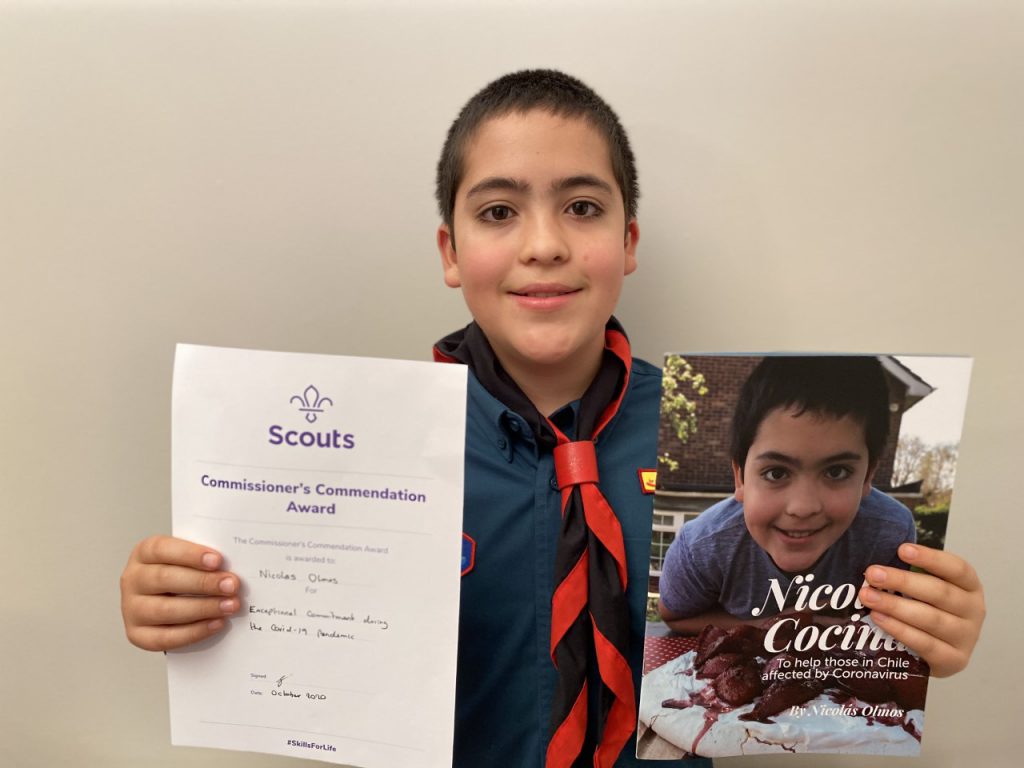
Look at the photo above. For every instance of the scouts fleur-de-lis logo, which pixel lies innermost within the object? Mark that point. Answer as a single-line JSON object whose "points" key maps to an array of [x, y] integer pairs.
{"points": [[310, 402]]}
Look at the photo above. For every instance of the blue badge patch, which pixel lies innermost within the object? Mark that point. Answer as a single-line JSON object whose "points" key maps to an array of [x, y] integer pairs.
{"points": [[468, 554]]}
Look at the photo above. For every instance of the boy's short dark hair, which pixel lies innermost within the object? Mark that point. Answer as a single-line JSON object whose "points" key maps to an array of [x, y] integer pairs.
{"points": [[830, 386], [546, 89]]}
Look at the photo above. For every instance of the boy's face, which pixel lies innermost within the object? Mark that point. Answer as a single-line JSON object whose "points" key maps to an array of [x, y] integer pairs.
{"points": [[802, 484], [541, 241]]}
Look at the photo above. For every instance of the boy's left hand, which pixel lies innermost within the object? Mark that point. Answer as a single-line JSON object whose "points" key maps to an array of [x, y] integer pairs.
{"points": [[939, 614]]}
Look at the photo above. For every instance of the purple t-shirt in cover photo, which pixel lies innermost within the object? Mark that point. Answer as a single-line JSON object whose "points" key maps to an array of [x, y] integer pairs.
{"points": [[714, 563]]}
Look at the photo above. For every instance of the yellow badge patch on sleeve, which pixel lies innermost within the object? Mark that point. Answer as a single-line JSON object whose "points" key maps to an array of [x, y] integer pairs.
{"points": [[648, 479]]}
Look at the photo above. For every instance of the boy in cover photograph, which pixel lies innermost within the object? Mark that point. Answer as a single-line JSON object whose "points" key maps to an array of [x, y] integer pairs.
{"points": [[806, 439]]}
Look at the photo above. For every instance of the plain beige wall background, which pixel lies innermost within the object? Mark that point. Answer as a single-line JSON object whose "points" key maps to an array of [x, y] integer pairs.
{"points": [[815, 176]]}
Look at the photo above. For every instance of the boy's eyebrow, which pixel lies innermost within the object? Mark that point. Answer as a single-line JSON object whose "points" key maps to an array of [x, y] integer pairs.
{"points": [[492, 183], [581, 180], [783, 458], [510, 184]]}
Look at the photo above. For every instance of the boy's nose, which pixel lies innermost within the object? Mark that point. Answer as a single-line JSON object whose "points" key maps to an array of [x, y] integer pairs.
{"points": [[544, 242], [804, 501]]}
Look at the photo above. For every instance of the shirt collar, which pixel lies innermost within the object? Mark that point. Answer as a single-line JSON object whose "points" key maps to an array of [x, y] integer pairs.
{"points": [[510, 424]]}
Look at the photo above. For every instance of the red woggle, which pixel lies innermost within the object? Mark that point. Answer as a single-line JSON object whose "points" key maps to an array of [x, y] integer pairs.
{"points": [[575, 463]]}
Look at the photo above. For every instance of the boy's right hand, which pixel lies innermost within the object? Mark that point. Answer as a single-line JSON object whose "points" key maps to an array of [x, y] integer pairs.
{"points": [[173, 593]]}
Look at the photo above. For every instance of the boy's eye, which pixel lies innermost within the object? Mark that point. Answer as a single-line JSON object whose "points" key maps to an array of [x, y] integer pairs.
{"points": [[838, 472], [496, 213], [774, 474], [584, 209]]}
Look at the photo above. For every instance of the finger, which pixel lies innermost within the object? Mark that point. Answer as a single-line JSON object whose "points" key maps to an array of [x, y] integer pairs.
{"points": [[176, 580], [943, 659], [174, 551], [945, 565], [171, 637], [924, 587], [163, 610], [947, 627]]}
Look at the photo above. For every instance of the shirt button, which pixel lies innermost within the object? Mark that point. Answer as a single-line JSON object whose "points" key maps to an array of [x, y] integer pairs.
{"points": [[502, 443], [513, 425], [554, 482]]}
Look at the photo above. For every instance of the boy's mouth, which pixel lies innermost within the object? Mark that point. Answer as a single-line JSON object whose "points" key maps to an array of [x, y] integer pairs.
{"points": [[797, 535], [544, 291], [544, 297]]}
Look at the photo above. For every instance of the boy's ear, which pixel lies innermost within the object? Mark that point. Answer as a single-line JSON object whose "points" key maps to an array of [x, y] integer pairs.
{"points": [[868, 480], [632, 238], [449, 259], [737, 479]]}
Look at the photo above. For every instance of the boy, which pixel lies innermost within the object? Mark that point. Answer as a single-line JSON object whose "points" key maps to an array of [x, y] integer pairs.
{"points": [[807, 434], [537, 190]]}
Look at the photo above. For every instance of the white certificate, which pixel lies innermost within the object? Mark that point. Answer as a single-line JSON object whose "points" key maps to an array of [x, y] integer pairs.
{"points": [[333, 487]]}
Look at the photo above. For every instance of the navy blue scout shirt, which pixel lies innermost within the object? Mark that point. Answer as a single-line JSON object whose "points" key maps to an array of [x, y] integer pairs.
{"points": [[512, 510]]}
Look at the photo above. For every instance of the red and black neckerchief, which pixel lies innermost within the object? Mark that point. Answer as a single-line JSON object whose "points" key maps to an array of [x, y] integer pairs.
{"points": [[589, 610]]}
